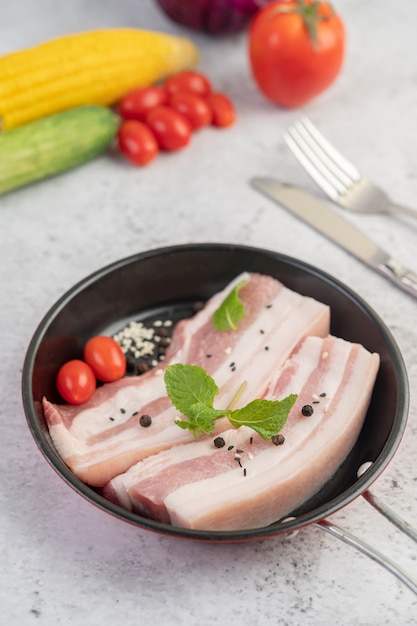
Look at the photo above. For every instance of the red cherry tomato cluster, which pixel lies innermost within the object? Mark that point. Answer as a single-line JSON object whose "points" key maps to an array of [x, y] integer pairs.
{"points": [[164, 117], [103, 360]]}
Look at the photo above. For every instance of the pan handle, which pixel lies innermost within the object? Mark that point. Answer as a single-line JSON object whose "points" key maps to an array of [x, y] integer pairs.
{"points": [[384, 509], [369, 551], [391, 515]]}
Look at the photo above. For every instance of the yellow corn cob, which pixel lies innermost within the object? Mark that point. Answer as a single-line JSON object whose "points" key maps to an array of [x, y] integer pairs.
{"points": [[96, 67]]}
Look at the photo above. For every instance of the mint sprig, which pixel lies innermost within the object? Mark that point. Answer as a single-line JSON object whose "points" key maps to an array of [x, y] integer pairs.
{"points": [[231, 310], [192, 391]]}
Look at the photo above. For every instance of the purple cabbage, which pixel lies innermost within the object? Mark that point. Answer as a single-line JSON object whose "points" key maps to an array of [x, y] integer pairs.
{"points": [[215, 17]]}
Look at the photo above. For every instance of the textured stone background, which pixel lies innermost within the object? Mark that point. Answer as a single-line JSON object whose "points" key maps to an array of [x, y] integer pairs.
{"points": [[63, 561]]}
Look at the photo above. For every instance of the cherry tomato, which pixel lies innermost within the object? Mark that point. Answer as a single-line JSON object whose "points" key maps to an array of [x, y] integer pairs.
{"points": [[76, 382], [224, 113], [105, 357], [189, 80], [136, 104], [137, 142], [296, 50], [195, 108], [171, 129]]}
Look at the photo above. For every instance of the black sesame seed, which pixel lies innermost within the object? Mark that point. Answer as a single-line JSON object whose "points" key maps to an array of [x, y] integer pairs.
{"points": [[232, 364], [278, 440], [111, 419], [307, 410], [219, 442], [238, 451], [269, 306], [123, 411], [316, 401], [230, 447], [135, 413], [233, 369], [251, 440], [266, 347], [261, 331], [145, 420], [244, 471], [208, 356], [323, 395]]}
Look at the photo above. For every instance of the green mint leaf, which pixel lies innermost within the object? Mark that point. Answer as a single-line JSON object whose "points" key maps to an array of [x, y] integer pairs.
{"points": [[192, 392], [266, 417], [197, 426], [231, 310]]}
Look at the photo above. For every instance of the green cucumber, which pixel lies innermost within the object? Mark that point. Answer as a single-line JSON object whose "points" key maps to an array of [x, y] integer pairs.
{"points": [[54, 144]]}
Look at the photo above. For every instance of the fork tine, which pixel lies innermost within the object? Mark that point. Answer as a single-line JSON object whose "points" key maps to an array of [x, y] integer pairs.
{"points": [[338, 159], [323, 161], [328, 168], [310, 163]]}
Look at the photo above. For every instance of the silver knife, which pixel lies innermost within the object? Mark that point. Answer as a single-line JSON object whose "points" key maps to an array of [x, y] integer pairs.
{"points": [[328, 222]]}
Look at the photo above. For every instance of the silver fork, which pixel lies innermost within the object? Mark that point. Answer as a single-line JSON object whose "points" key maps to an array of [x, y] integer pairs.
{"points": [[337, 177]]}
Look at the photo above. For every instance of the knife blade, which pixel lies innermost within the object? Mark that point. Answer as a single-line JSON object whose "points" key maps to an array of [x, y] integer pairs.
{"points": [[320, 216]]}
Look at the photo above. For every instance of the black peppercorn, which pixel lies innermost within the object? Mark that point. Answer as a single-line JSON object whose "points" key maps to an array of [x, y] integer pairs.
{"points": [[307, 410], [219, 442], [145, 420], [278, 440]]}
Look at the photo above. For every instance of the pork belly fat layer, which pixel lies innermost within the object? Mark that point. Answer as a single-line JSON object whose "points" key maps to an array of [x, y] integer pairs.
{"points": [[101, 438], [271, 490], [254, 483]]}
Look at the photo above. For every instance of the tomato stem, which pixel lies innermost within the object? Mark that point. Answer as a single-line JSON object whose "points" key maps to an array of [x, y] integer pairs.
{"points": [[310, 14]]}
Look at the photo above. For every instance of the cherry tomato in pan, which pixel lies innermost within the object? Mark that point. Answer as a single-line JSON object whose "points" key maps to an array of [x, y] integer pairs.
{"points": [[223, 111], [137, 142], [195, 108], [189, 80], [105, 357], [171, 129], [136, 104], [76, 382]]}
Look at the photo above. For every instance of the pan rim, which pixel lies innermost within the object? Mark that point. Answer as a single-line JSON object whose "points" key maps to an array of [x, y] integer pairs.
{"points": [[348, 495]]}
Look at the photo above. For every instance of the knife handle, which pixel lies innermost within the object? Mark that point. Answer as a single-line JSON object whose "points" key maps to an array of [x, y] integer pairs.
{"points": [[400, 275]]}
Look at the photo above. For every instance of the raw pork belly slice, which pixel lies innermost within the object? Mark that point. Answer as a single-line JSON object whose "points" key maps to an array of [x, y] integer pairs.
{"points": [[256, 483], [102, 438]]}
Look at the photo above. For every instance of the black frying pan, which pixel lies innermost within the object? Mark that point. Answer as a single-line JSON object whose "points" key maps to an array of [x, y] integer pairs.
{"points": [[172, 279]]}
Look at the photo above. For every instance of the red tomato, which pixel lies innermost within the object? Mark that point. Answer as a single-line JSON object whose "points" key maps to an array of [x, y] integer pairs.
{"points": [[296, 50], [76, 382], [171, 129], [195, 108], [136, 104], [105, 357], [137, 142], [224, 113], [189, 80]]}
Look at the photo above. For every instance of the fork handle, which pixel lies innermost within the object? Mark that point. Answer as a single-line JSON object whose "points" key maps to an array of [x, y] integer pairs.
{"points": [[402, 210]]}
